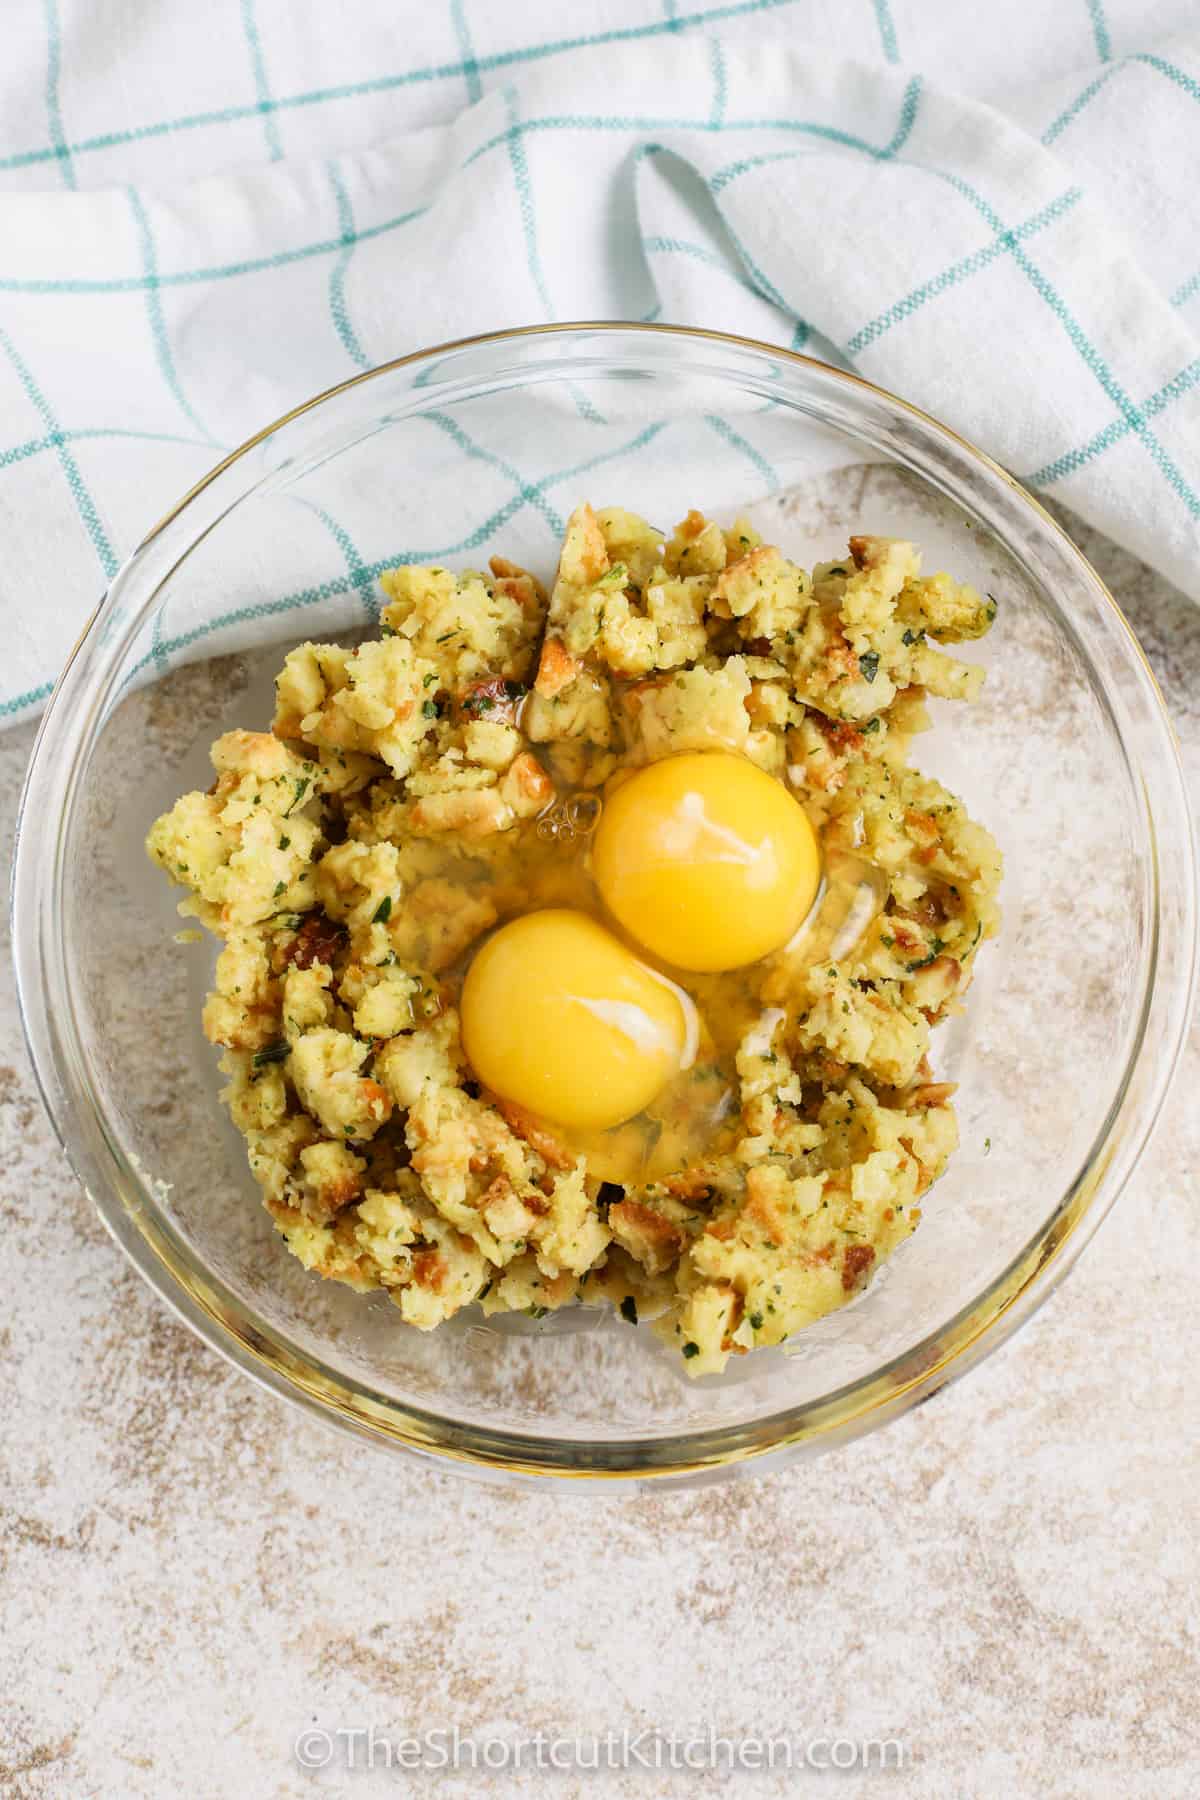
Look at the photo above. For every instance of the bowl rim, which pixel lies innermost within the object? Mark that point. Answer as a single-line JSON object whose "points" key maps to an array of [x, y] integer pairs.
{"points": [[980, 1326]]}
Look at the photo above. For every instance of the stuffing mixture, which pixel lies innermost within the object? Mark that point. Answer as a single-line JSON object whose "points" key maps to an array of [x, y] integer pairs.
{"points": [[445, 776]]}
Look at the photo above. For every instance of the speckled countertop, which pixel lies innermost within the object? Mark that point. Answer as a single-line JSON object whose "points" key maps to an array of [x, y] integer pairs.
{"points": [[1005, 1580]]}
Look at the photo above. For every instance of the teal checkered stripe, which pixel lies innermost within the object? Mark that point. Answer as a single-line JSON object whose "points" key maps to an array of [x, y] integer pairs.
{"points": [[469, 69], [734, 251], [466, 68]]}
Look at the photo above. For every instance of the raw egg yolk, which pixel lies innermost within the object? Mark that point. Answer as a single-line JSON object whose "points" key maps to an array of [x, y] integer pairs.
{"points": [[560, 1017], [706, 860]]}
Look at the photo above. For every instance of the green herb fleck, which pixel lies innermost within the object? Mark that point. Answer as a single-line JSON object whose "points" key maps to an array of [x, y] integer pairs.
{"points": [[284, 841], [272, 1053], [383, 911], [756, 1321], [872, 725], [690, 1350], [937, 945], [279, 888], [429, 680], [869, 664], [302, 787], [387, 630]]}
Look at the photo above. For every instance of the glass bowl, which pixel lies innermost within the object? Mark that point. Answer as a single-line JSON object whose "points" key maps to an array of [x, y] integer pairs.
{"points": [[1074, 1023]]}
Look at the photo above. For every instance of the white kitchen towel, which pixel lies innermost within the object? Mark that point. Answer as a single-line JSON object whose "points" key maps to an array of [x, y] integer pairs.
{"points": [[210, 211]]}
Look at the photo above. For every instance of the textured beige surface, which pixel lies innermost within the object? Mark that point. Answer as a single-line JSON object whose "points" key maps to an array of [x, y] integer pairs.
{"points": [[190, 1575]]}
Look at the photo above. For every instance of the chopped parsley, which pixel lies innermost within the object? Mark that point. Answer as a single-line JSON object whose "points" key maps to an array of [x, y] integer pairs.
{"points": [[279, 889], [383, 911], [872, 725], [284, 841], [756, 1321], [937, 945], [913, 637], [273, 1053], [869, 664], [302, 787], [690, 1350]]}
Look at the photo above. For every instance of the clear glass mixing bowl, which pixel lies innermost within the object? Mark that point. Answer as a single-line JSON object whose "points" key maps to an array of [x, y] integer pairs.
{"points": [[1075, 1020]]}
